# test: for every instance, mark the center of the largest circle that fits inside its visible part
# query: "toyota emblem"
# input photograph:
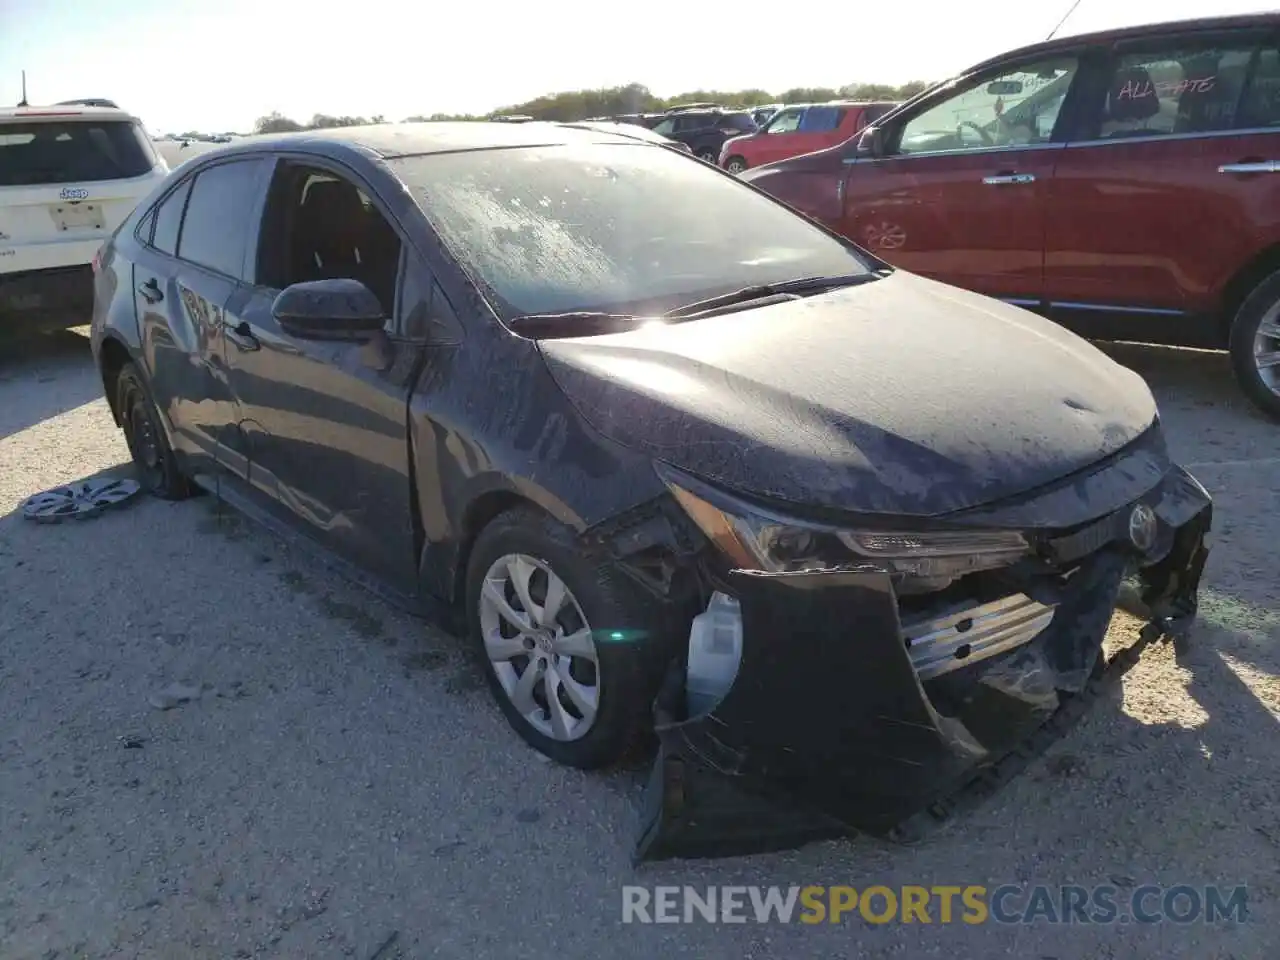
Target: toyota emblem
(1142, 527)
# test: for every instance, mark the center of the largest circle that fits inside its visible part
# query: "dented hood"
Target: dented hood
(900, 396)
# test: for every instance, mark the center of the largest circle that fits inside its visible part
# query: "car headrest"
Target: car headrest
(1133, 96)
(1209, 100)
(333, 202)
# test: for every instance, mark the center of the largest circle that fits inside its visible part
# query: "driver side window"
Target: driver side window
(786, 121)
(320, 226)
(1011, 109)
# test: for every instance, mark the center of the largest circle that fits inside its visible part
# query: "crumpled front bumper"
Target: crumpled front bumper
(830, 727)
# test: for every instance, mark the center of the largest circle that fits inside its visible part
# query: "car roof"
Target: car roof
(1244, 20)
(61, 112)
(629, 131)
(390, 140)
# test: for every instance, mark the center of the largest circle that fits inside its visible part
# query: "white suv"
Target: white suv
(68, 176)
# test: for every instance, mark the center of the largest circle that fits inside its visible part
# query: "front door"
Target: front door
(1156, 198)
(326, 422)
(959, 193)
(778, 139)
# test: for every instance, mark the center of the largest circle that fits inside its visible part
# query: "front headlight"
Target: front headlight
(918, 561)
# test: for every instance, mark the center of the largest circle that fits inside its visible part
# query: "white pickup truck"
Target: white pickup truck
(69, 174)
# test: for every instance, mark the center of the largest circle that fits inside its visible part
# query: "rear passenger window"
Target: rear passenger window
(694, 121)
(1260, 104)
(821, 119)
(1175, 91)
(168, 218)
(216, 228)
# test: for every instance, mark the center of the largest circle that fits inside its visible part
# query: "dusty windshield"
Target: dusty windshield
(617, 228)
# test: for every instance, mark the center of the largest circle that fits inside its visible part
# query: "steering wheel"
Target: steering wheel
(986, 137)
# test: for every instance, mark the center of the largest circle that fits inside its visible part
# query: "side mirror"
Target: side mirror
(871, 143)
(329, 310)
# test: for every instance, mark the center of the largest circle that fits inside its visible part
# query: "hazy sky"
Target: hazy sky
(217, 65)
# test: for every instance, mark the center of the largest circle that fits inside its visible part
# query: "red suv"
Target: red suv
(797, 129)
(1121, 183)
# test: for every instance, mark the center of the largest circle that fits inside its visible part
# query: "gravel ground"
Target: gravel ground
(344, 776)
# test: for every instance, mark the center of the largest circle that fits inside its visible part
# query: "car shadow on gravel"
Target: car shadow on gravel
(1183, 377)
(1221, 774)
(42, 376)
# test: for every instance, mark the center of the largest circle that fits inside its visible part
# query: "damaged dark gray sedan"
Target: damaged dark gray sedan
(673, 456)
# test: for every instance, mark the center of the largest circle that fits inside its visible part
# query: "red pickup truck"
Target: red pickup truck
(1122, 183)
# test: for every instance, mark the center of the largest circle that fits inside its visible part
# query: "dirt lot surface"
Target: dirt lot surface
(344, 776)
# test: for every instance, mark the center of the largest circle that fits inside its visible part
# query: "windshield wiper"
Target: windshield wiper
(586, 323)
(798, 286)
(578, 323)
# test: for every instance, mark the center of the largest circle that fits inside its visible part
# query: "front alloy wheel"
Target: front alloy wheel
(572, 648)
(1266, 349)
(540, 647)
(1255, 345)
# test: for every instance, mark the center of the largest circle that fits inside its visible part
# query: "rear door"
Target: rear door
(67, 180)
(1164, 190)
(188, 287)
(693, 129)
(819, 128)
(959, 194)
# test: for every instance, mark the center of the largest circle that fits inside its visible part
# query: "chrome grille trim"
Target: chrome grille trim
(993, 628)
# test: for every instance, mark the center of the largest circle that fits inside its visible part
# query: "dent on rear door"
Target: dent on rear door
(179, 319)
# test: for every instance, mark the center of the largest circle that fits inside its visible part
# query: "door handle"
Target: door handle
(1250, 166)
(151, 291)
(242, 336)
(1001, 179)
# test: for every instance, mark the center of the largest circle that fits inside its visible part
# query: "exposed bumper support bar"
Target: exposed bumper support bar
(833, 725)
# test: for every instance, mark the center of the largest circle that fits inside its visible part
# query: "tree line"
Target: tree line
(633, 98)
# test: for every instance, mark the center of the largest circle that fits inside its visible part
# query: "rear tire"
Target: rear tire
(521, 552)
(707, 155)
(153, 458)
(1255, 334)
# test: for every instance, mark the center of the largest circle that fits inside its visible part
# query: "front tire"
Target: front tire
(1255, 346)
(736, 165)
(153, 458)
(570, 646)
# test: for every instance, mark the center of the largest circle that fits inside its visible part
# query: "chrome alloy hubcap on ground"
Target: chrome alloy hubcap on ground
(1266, 350)
(540, 645)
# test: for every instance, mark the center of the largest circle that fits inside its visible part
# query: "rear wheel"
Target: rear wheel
(707, 155)
(736, 165)
(1255, 345)
(570, 646)
(153, 458)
